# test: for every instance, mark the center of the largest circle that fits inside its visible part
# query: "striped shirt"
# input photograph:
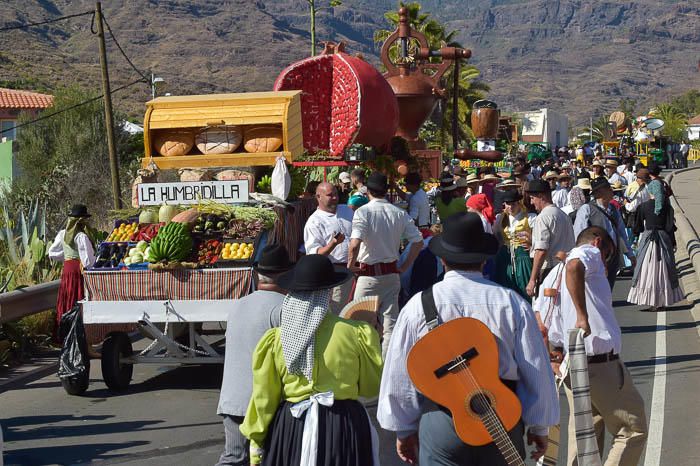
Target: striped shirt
(521, 351)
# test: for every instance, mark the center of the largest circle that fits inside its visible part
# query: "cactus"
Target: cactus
(23, 249)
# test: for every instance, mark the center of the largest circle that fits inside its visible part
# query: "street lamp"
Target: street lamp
(154, 81)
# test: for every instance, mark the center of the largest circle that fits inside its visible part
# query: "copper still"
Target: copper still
(416, 81)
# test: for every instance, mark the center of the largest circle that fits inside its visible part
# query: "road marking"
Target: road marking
(658, 398)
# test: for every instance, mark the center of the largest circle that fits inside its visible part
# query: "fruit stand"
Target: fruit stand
(171, 273)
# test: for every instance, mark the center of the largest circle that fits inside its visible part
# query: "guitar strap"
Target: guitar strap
(429, 309)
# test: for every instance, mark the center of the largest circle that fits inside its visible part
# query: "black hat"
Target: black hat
(412, 178)
(460, 171)
(599, 183)
(377, 182)
(654, 168)
(463, 240)
(274, 258)
(510, 195)
(79, 210)
(313, 272)
(537, 186)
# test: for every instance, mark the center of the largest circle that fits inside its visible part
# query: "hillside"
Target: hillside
(579, 57)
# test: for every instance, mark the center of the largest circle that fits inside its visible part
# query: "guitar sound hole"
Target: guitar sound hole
(480, 404)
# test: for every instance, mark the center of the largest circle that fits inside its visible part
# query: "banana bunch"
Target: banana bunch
(172, 243)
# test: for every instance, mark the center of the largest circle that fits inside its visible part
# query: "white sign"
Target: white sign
(225, 192)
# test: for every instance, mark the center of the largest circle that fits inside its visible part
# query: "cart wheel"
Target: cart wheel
(78, 384)
(116, 375)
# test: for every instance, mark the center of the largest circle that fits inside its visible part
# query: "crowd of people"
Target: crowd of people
(530, 254)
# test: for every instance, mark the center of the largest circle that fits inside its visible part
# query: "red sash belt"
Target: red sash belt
(382, 268)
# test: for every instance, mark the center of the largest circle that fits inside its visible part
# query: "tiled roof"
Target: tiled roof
(695, 120)
(11, 98)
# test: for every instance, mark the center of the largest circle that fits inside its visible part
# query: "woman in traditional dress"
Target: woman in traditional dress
(74, 248)
(513, 228)
(655, 281)
(308, 375)
(450, 201)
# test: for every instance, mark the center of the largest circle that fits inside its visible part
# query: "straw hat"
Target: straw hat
(509, 183)
(597, 163)
(551, 175)
(611, 163)
(584, 183)
(618, 186)
(491, 177)
(472, 179)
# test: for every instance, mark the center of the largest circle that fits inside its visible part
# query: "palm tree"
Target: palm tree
(437, 36)
(674, 121)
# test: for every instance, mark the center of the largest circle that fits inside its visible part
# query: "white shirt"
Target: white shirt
(322, 226)
(521, 352)
(550, 307)
(419, 208)
(615, 177)
(605, 331)
(639, 197)
(629, 176)
(552, 232)
(82, 244)
(381, 226)
(560, 197)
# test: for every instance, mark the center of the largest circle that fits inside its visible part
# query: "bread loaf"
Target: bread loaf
(173, 142)
(219, 139)
(263, 139)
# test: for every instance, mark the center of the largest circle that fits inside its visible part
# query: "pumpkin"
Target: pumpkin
(263, 139)
(166, 213)
(173, 142)
(219, 139)
(188, 216)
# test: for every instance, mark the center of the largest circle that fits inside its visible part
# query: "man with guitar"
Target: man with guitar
(517, 356)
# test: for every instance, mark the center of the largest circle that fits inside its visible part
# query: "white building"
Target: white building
(694, 128)
(544, 125)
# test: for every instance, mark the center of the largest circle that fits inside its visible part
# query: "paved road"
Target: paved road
(168, 414)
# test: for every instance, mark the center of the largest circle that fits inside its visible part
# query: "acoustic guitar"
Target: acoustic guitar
(456, 366)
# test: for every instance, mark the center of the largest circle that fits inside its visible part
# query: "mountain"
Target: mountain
(574, 56)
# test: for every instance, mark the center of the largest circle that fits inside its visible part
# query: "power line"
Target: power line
(48, 21)
(85, 102)
(145, 78)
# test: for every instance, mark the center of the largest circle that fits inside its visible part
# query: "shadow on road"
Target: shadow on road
(69, 454)
(654, 328)
(177, 378)
(663, 360)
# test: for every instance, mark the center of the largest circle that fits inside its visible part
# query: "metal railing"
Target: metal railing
(27, 301)
(694, 155)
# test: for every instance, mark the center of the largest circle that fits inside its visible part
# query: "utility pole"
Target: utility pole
(109, 117)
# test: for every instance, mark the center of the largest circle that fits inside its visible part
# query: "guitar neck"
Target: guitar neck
(500, 437)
